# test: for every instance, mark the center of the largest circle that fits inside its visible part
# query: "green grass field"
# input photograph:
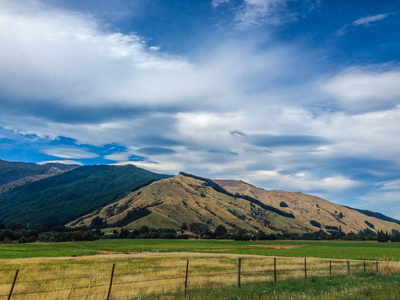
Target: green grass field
(344, 288)
(320, 249)
(155, 269)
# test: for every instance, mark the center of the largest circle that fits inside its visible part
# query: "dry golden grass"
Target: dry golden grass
(307, 208)
(138, 275)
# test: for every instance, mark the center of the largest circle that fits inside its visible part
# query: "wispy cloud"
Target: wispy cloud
(69, 153)
(365, 22)
(257, 12)
(303, 181)
(370, 19)
(361, 89)
(216, 3)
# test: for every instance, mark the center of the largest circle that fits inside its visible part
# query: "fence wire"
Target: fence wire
(26, 287)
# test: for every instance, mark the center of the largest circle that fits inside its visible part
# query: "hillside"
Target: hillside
(313, 211)
(13, 174)
(62, 198)
(189, 199)
(183, 199)
(130, 197)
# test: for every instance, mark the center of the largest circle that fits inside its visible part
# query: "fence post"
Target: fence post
(186, 277)
(305, 268)
(275, 269)
(365, 268)
(239, 268)
(12, 287)
(111, 281)
(377, 271)
(348, 268)
(330, 268)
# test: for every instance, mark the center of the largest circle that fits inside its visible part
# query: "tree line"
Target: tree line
(17, 233)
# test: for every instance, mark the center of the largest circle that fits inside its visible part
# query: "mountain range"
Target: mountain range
(130, 197)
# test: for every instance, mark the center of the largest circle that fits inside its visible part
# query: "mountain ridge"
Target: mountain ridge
(13, 174)
(131, 197)
(66, 196)
(191, 199)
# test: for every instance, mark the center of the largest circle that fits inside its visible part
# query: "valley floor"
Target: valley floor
(162, 269)
(318, 249)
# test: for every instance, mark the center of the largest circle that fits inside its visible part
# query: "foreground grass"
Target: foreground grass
(320, 249)
(360, 287)
(140, 275)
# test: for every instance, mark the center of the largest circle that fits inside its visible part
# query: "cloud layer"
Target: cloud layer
(240, 104)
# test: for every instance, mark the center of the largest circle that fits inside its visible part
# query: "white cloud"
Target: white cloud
(164, 167)
(392, 185)
(303, 181)
(254, 13)
(69, 153)
(58, 56)
(258, 12)
(154, 48)
(370, 19)
(360, 90)
(216, 3)
(369, 135)
(119, 157)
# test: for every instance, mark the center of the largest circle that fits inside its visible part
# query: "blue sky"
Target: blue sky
(283, 94)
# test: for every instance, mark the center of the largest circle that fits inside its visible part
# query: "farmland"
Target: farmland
(157, 268)
(318, 249)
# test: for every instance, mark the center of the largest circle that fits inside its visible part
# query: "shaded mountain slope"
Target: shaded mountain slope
(13, 174)
(312, 210)
(64, 197)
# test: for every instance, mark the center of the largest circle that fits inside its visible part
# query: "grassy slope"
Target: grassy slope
(65, 197)
(320, 249)
(307, 208)
(186, 199)
(181, 199)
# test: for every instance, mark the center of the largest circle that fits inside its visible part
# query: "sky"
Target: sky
(283, 94)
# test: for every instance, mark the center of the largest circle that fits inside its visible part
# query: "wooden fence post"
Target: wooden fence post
(111, 281)
(275, 269)
(348, 268)
(305, 268)
(239, 267)
(330, 268)
(186, 277)
(12, 287)
(377, 271)
(365, 268)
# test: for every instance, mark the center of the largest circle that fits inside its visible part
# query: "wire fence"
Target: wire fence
(131, 280)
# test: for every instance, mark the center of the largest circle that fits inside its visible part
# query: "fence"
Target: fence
(128, 280)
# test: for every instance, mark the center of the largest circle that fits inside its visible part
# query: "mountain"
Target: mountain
(13, 174)
(130, 197)
(312, 210)
(190, 199)
(64, 197)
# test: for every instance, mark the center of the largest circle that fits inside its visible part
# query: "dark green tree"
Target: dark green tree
(382, 237)
(219, 232)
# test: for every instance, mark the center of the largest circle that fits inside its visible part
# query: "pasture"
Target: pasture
(318, 249)
(146, 269)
